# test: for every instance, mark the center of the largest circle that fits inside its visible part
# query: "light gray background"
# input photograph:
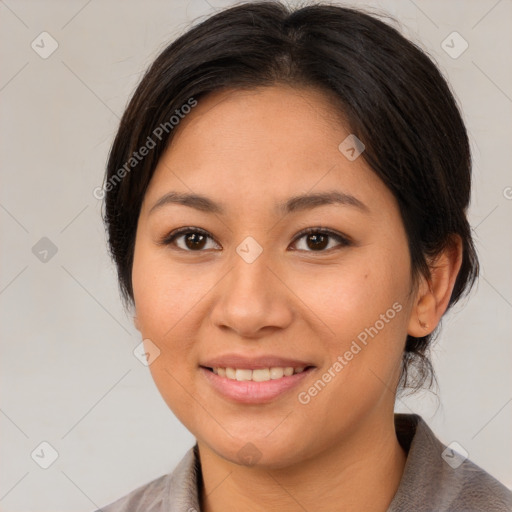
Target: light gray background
(68, 374)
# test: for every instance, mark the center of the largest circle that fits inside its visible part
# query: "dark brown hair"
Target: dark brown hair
(392, 95)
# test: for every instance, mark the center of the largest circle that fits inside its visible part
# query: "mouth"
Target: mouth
(254, 385)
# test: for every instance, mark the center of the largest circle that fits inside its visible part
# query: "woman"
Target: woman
(289, 226)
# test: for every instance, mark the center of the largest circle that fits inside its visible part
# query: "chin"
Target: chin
(258, 451)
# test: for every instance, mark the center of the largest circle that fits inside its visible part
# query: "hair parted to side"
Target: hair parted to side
(392, 95)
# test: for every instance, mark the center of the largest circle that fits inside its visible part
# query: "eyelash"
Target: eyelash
(343, 240)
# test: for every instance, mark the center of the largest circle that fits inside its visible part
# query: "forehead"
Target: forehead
(274, 141)
(243, 118)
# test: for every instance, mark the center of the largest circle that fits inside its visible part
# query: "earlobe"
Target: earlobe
(434, 294)
(136, 323)
(423, 319)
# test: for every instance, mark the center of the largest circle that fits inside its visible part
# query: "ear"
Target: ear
(433, 295)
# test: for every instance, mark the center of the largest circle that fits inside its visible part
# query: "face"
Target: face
(243, 286)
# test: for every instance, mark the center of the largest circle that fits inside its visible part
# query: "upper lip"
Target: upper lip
(253, 363)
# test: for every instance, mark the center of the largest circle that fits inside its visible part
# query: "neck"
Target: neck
(361, 472)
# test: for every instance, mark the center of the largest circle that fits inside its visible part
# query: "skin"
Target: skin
(247, 150)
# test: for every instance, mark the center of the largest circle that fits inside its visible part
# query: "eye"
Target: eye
(195, 239)
(318, 239)
(192, 239)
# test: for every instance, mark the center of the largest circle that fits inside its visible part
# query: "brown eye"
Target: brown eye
(189, 239)
(317, 240)
(195, 241)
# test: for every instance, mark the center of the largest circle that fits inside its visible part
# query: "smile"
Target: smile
(254, 386)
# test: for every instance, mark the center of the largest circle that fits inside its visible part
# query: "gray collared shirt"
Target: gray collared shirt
(435, 478)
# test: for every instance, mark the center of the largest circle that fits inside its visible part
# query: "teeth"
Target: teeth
(276, 373)
(243, 374)
(288, 371)
(259, 375)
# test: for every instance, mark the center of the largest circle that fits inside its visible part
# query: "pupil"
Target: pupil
(195, 240)
(316, 239)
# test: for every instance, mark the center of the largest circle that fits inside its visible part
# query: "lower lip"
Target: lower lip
(250, 392)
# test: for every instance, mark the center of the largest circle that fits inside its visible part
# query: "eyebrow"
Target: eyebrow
(291, 205)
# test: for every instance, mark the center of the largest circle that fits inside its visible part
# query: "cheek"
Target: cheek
(354, 296)
(164, 297)
(364, 304)
(163, 293)
(365, 309)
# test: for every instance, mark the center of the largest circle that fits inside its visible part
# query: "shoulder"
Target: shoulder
(438, 478)
(174, 491)
(481, 490)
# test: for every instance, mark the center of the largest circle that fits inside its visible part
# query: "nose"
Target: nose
(252, 299)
